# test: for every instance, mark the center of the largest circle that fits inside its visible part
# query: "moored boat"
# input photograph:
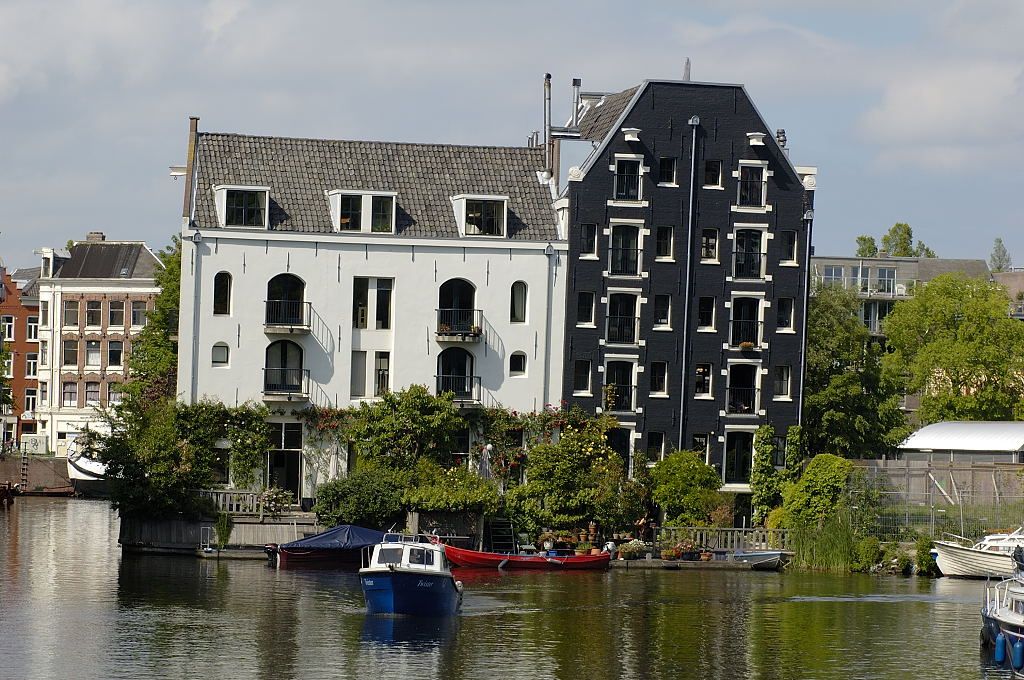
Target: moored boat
(340, 547)
(761, 560)
(87, 474)
(1002, 616)
(461, 557)
(991, 556)
(409, 576)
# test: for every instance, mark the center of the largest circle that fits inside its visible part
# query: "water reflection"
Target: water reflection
(72, 606)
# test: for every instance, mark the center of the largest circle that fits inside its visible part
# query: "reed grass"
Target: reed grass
(829, 546)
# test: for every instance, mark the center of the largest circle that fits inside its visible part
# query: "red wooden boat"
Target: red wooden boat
(461, 557)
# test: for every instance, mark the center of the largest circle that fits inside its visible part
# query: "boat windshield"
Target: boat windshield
(389, 556)
(421, 556)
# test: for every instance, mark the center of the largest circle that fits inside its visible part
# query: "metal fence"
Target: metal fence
(901, 516)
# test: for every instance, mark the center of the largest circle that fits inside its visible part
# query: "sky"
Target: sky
(911, 110)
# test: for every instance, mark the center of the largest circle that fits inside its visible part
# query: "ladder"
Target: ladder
(24, 468)
(501, 535)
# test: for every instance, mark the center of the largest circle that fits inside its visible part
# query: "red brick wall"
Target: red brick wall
(20, 346)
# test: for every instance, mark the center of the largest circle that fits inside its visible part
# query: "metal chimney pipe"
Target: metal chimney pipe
(547, 122)
(576, 83)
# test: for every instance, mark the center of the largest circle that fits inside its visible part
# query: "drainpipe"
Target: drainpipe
(809, 221)
(693, 122)
(549, 251)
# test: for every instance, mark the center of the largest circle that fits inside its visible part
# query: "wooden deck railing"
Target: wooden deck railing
(234, 502)
(727, 539)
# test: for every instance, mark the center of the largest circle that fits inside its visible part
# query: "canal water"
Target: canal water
(71, 606)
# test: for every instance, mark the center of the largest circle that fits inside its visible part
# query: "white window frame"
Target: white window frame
(119, 364)
(788, 396)
(145, 313)
(640, 201)
(721, 175)
(459, 207)
(100, 314)
(671, 244)
(32, 329)
(99, 392)
(675, 171)
(663, 394)
(766, 235)
(758, 386)
(710, 394)
(7, 326)
(31, 364)
(8, 365)
(517, 374)
(99, 354)
(791, 328)
(220, 199)
(654, 308)
(761, 306)
(589, 391)
(642, 233)
(765, 207)
(593, 310)
(717, 259)
(30, 401)
(714, 315)
(110, 313)
(365, 209)
(64, 401)
(634, 378)
(795, 261)
(638, 310)
(213, 355)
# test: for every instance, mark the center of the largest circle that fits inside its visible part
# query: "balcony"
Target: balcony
(382, 382)
(464, 388)
(870, 287)
(751, 193)
(285, 384)
(622, 330)
(627, 187)
(747, 265)
(459, 325)
(618, 398)
(624, 261)
(742, 401)
(745, 334)
(287, 316)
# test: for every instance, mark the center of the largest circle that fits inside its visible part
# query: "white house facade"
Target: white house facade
(319, 272)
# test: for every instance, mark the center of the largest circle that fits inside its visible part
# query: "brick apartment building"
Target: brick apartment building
(19, 330)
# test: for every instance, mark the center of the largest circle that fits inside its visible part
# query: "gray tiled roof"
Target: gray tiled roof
(425, 177)
(30, 275)
(930, 267)
(107, 260)
(599, 119)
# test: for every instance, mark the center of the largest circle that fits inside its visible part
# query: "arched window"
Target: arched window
(283, 372)
(220, 354)
(518, 306)
(285, 300)
(517, 364)
(222, 293)
(455, 308)
(455, 373)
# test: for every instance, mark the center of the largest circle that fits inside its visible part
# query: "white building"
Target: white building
(319, 272)
(92, 302)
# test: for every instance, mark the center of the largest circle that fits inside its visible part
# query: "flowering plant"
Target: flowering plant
(687, 545)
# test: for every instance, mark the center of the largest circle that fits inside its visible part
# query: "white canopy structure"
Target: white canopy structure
(988, 441)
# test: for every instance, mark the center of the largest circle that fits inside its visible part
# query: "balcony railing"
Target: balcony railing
(745, 333)
(287, 313)
(467, 323)
(622, 329)
(462, 387)
(627, 187)
(871, 287)
(289, 382)
(742, 400)
(382, 383)
(624, 261)
(746, 265)
(618, 398)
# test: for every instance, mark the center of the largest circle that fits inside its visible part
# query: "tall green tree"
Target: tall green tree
(866, 246)
(686, 488)
(954, 343)
(850, 408)
(999, 260)
(899, 242)
(153, 362)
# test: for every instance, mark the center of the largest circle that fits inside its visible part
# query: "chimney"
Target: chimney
(882, 253)
(686, 70)
(576, 83)
(94, 236)
(547, 122)
(190, 157)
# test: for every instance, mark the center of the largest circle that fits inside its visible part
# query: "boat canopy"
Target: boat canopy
(341, 537)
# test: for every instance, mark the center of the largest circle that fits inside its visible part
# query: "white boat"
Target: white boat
(409, 575)
(87, 475)
(760, 560)
(992, 556)
(1002, 618)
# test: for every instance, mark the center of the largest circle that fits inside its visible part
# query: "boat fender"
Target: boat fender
(501, 565)
(999, 654)
(1017, 658)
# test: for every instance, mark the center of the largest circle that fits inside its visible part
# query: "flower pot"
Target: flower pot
(707, 556)
(595, 551)
(690, 556)
(668, 554)
(581, 552)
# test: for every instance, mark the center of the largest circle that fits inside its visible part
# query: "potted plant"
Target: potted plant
(444, 328)
(746, 344)
(687, 549)
(583, 547)
(475, 330)
(632, 550)
(547, 540)
(706, 556)
(668, 554)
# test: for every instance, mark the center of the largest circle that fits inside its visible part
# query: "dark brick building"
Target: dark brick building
(688, 230)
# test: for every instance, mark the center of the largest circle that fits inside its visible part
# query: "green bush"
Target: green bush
(819, 492)
(223, 527)
(923, 559)
(869, 553)
(371, 496)
(895, 560)
(686, 488)
(437, 489)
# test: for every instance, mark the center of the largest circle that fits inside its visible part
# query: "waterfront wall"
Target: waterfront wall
(183, 536)
(43, 473)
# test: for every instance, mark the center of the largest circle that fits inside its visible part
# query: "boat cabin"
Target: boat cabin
(400, 551)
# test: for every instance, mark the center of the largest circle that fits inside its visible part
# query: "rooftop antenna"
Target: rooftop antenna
(686, 70)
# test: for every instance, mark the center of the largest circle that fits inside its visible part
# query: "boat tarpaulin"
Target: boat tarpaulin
(341, 537)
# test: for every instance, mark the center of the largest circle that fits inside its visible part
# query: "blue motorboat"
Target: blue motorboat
(409, 576)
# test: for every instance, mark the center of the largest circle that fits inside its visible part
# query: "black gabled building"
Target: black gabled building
(689, 230)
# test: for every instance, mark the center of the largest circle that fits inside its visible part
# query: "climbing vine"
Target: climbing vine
(765, 483)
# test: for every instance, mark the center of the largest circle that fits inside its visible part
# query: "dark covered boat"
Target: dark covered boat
(337, 548)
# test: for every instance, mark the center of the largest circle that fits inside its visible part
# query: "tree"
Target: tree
(819, 493)
(402, 426)
(370, 496)
(1000, 260)
(850, 408)
(866, 246)
(899, 242)
(954, 342)
(686, 488)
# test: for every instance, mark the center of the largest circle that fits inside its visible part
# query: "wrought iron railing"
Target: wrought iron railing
(457, 321)
(462, 387)
(742, 400)
(622, 329)
(624, 261)
(618, 397)
(745, 333)
(287, 313)
(289, 381)
(751, 193)
(627, 187)
(746, 265)
(382, 384)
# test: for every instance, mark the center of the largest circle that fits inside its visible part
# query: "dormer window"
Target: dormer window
(363, 211)
(242, 206)
(481, 215)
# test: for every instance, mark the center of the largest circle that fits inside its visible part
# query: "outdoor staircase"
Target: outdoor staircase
(501, 535)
